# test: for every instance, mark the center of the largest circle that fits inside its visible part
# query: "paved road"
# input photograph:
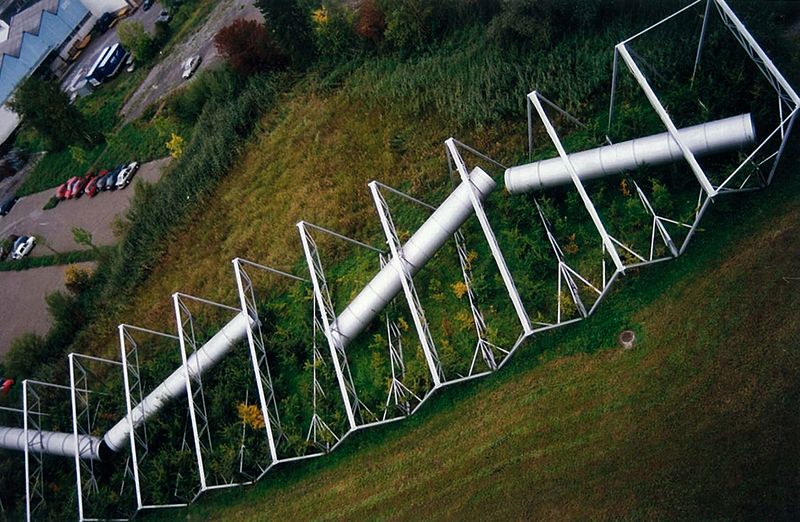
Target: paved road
(166, 75)
(54, 226)
(89, 55)
(24, 308)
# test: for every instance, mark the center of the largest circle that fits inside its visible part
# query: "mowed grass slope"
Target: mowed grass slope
(699, 421)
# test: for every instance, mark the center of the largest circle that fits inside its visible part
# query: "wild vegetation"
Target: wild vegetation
(374, 97)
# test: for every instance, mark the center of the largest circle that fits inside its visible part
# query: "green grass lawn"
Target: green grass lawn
(699, 421)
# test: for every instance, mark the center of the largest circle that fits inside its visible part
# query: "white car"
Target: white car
(190, 66)
(126, 174)
(22, 247)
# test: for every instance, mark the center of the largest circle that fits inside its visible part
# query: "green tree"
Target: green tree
(46, 108)
(81, 236)
(135, 39)
(290, 25)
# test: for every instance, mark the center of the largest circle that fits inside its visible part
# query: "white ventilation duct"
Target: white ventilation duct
(659, 149)
(430, 237)
(419, 249)
(117, 437)
(52, 443)
(174, 386)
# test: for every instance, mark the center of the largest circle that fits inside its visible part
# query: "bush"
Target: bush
(249, 48)
(370, 21)
(333, 30)
(25, 355)
(540, 23)
(219, 83)
(135, 39)
(76, 279)
(412, 24)
(51, 203)
(290, 25)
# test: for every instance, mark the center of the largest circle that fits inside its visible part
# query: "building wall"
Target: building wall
(98, 7)
(36, 45)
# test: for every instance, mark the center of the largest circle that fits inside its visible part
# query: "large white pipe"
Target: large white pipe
(417, 251)
(174, 386)
(420, 248)
(117, 438)
(52, 443)
(659, 149)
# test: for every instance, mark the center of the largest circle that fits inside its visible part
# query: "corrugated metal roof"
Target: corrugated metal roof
(27, 21)
(33, 33)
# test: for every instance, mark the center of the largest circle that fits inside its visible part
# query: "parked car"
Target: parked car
(6, 204)
(103, 23)
(22, 246)
(77, 188)
(111, 178)
(125, 176)
(61, 192)
(101, 180)
(147, 4)
(93, 187)
(190, 66)
(164, 17)
(70, 186)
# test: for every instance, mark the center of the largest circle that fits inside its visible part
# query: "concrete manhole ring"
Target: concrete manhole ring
(627, 338)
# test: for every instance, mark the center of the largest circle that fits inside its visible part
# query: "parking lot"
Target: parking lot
(53, 228)
(24, 308)
(89, 55)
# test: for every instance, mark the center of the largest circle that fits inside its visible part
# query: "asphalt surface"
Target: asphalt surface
(89, 55)
(23, 301)
(53, 228)
(166, 76)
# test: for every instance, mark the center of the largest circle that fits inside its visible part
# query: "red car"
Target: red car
(61, 192)
(77, 188)
(68, 194)
(91, 189)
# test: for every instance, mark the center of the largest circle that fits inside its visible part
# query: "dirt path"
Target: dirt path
(54, 227)
(166, 76)
(24, 308)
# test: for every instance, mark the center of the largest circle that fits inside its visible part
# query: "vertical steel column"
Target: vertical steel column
(497, 254)
(587, 202)
(258, 353)
(403, 272)
(701, 41)
(326, 313)
(665, 118)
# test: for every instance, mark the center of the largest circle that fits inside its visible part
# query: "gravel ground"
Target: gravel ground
(24, 308)
(166, 75)
(54, 226)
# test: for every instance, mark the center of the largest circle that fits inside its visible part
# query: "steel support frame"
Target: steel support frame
(198, 415)
(317, 424)
(83, 426)
(483, 346)
(327, 314)
(407, 280)
(258, 355)
(32, 430)
(786, 94)
(536, 99)
(451, 146)
(131, 377)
